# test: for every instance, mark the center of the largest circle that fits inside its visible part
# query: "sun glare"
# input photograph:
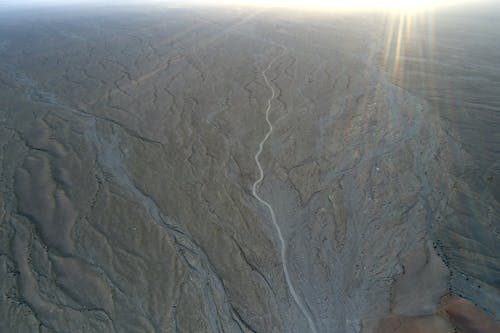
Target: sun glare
(339, 4)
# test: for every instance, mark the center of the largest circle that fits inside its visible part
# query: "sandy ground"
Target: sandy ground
(128, 144)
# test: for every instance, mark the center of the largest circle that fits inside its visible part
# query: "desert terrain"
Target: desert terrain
(208, 169)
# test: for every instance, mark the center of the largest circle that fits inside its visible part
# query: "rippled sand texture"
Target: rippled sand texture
(132, 198)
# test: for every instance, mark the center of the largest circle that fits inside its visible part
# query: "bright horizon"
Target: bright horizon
(335, 4)
(291, 4)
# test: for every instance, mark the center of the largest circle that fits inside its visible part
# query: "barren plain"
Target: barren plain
(169, 169)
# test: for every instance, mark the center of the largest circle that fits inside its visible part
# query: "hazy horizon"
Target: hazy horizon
(315, 5)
